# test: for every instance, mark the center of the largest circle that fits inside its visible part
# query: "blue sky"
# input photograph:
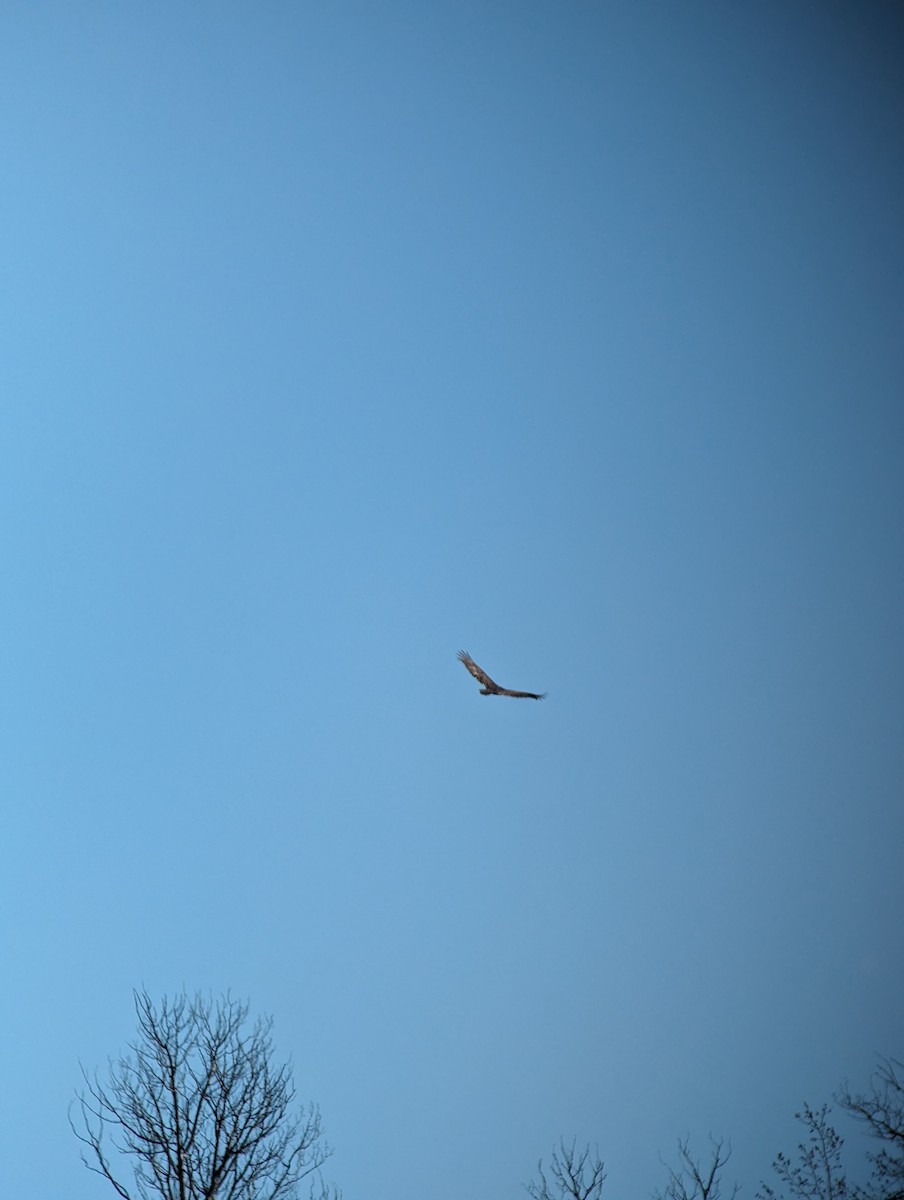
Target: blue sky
(337, 337)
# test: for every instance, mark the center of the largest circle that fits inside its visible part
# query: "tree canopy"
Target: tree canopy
(199, 1111)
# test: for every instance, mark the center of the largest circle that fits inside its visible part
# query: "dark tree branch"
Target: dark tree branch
(818, 1173)
(200, 1110)
(575, 1176)
(881, 1110)
(691, 1181)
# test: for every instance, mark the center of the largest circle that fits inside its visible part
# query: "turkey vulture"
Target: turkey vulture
(489, 687)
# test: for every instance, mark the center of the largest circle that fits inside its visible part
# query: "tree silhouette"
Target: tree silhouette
(200, 1110)
(819, 1174)
(574, 1176)
(882, 1111)
(691, 1181)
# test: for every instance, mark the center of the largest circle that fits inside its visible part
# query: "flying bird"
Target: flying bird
(489, 687)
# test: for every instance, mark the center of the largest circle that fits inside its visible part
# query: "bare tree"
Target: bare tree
(819, 1174)
(200, 1109)
(575, 1176)
(691, 1181)
(882, 1111)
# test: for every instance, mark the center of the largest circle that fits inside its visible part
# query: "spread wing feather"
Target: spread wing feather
(478, 672)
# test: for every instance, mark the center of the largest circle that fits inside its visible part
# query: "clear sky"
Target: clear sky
(339, 336)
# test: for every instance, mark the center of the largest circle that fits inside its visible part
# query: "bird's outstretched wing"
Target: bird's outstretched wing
(523, 695)
(478, 672)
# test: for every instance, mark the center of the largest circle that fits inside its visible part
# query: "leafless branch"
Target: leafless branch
(881, 1109)
(200, 1110)
(818, 1173)
(575, 1175)
(691, 1180)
